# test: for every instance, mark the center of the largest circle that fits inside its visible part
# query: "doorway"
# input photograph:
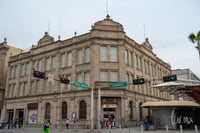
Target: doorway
(109, 115)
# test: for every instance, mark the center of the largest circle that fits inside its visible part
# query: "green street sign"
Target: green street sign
(81, 85)
(117, 84)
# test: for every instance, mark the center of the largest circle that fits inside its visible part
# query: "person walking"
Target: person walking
(146, 123)
(67, 123)
(46, 127)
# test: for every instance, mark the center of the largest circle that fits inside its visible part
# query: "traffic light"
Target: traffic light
(138, 81)
(39, 74)
(169, 78)
(64, 80)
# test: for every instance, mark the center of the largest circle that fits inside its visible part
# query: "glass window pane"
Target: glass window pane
(87, 78)
(87, 55)
(33, 88)
(113, 76)
(38, 87)
(54, 62)
(35, 65)
(48, 64)
(113, 54)
(79, 77)
(46, 87)
(103, 54)
(69, 59)
(25, 89)
(80, 56)
(82, 109)
(64, 110)
(126, 56)
(16, 71)
(130, 58)
(103, 76)
(40, 65)
(62, 60)
(27, 68)
(48, 111)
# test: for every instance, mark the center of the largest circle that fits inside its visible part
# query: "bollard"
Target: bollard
(167, 128)
(120, 128)
(109, 128)
(196, 128)
(181, 129)
(142, 128)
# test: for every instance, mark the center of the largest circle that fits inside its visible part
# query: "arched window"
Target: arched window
(82, 110)
(130, 109)
(64, 110)
(140, 111)
(48, 111)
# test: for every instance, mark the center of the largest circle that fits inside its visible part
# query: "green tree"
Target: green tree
(195, 39)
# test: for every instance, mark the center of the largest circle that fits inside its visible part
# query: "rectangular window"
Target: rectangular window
(16, 71)
(80, 61)
(62, 87)
(113, 54)
(127, 77)
(130, 58)
(35, 66)
(69, 59)
(126, 56)
(21, 89)
(46, 89)
(48, 63)
(14, 91)
(62, 60)
(27, 69)
(87, 78)
(103, 54)
(37, 86)
(113, 76)
(22, 69)
(25, 89)
(33, 88)
(104, 76)
(87, 55)
(53, 62)
(79, 77)
(40, 65)
(138, 62)
(12, 72)
(10, 91)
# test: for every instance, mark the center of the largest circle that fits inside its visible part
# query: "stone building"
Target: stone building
(185, 74)
(6, 51)
(102, 56)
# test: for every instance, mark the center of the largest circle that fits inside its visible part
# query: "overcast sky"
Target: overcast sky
(167, 23)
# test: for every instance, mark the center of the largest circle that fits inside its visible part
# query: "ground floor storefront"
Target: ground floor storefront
(174, 114)
(116, 108)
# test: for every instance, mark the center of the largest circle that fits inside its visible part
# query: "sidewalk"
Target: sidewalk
(115, 130)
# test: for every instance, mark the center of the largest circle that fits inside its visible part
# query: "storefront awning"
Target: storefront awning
(168, 84)
(176, 103)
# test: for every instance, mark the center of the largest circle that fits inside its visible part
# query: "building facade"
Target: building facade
(102, 56)
(6, 51)
(185, 74)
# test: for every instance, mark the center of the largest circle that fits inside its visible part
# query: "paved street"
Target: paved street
(116, 130)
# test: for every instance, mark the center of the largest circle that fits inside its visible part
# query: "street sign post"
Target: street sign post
(117, 84)
(80, 85)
